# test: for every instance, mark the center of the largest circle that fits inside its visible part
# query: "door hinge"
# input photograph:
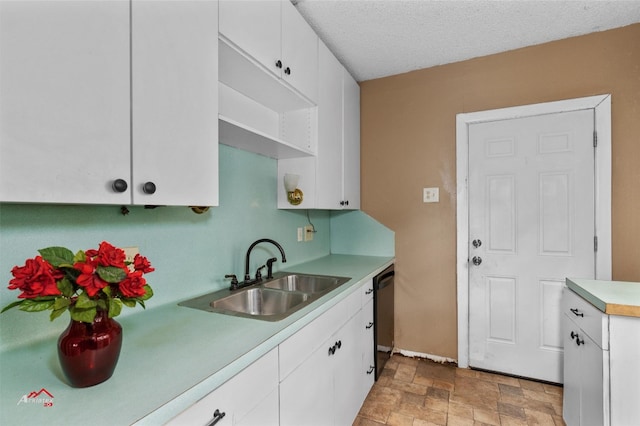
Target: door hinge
(595, 139)
(595, 243)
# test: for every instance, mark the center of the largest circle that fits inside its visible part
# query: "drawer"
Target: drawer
(236, 397)
(590, 319)
(367, 292)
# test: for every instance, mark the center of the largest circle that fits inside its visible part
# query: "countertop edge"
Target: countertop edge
(598, 293)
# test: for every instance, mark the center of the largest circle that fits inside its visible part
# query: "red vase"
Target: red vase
(88, 352)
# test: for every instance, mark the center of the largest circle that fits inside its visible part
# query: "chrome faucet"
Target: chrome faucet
(247, 276)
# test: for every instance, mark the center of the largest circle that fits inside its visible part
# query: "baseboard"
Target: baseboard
(435, 358)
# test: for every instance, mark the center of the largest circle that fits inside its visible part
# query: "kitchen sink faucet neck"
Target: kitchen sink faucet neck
(247, 276)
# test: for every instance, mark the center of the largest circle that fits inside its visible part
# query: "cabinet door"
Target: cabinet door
(368, 358)
(64, 101)
(266, 413)
(299, 52)
(593, 383)
(329, 156)
(175, 102)
(306, 395)
(255, 28)
(348, 375)
(572, 373)
(351, 141)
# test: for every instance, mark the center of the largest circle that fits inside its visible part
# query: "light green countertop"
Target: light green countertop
(611, 297)
(171, 357)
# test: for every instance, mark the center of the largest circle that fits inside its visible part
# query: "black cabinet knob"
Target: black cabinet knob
(287, 71)
(278, 64)
(119, 185)
(149, 188)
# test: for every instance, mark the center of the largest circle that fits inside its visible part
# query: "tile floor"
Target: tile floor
(419, 392)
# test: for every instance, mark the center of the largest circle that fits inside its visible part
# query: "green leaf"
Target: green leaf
(148, 293)
(57, 256)
(128, 302)
(107, 290)
(115, 307)
(111, 274)
(12, 305)
(141, 302)
(102, 304)
(36, 305)
(61, 303)
(80, 257)
(84, 315)
(55, 313)
(84, 302)
(65, 287)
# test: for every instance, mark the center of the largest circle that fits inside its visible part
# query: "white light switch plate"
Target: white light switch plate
(431, 195)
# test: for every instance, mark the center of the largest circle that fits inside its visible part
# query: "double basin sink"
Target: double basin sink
(269, 300)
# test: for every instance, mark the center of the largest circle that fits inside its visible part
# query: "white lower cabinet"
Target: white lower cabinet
(318, 376)
(601, 368)
(327, 387)
(248, 399)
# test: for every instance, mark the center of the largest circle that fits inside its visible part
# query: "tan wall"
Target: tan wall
(408, 142)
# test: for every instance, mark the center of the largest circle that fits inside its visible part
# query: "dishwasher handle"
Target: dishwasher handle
(384, 280)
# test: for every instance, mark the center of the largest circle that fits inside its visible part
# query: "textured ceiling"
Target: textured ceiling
(379, 38)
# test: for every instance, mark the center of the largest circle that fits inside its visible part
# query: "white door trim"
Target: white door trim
(602, 106)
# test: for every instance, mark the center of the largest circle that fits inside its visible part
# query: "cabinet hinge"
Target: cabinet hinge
(595, 243)
(595, 139)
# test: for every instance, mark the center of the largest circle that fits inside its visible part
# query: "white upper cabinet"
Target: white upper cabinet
(351, 143)
(331, 180)
(175, 102)
(275, 35)
(64, 101)
(83, 105)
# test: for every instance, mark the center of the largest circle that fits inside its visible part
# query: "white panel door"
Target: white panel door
(531, 225)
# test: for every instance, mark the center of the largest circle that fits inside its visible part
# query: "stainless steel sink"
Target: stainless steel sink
(306, 283)
(270, 300)
(260, 301)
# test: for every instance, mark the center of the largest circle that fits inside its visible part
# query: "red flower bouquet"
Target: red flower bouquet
(82, 283)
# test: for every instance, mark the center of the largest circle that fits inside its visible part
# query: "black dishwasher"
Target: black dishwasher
(383, 302)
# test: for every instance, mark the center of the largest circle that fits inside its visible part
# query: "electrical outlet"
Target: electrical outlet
(130, 253)
(300, 234)
(308, 233)
(430, 195)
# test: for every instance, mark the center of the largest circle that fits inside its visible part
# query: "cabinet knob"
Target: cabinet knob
(287, 71)
(149, 188)
(119, 185)
(344, 203)
(368, 326)
(369, 291)
(278, 64)
(371, 369)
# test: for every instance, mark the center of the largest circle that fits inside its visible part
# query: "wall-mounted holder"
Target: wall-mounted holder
(294, 195)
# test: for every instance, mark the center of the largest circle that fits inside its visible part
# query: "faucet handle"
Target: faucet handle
(270, 267)
(234, 281)
(258, 273)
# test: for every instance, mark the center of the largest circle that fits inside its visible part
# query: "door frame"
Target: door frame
(601, 105)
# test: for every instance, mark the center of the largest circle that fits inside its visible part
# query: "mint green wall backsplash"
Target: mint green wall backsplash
(191, 252)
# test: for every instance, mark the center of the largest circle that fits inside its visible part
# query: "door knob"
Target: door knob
(476, 243)
(477, 260)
